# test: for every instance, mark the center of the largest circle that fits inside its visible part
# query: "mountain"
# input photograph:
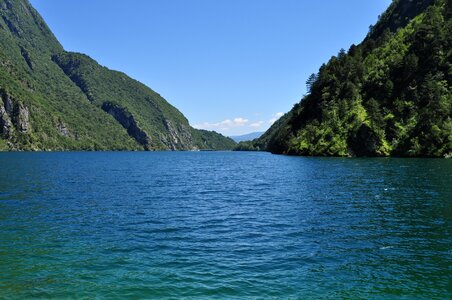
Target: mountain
(246, 137)
(57, 100)
(388, 96)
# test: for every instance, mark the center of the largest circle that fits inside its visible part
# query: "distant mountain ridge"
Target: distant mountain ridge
(388, 96)
(246, 137)
(57, 100)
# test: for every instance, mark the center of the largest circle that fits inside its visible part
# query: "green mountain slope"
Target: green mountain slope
(52, 99)
(390, 95)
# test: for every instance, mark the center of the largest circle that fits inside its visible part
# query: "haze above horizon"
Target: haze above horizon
(230, 66)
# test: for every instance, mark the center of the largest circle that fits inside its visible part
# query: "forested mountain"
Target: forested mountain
(56, 100)
(390, 95)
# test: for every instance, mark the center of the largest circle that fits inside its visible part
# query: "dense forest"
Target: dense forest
(390, 95)
(55, 100)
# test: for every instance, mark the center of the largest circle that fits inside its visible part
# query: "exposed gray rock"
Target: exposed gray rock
(6, 126)
(8, 102)
(13, 113)
(22, 118)
(178, 138)
(6, 109)
(63, 130)
(129, 123)
(172, 141)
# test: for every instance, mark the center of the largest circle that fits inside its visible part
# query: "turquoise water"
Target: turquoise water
(224, 225)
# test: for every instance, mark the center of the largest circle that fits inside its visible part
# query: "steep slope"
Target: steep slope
(40, 107)
(147, 117)
(390, 95)
(205, 139)
(52, 99)
(261, 143)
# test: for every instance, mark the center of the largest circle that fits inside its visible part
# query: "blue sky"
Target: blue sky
(228, 65)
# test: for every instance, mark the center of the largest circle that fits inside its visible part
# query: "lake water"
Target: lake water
(224, 225)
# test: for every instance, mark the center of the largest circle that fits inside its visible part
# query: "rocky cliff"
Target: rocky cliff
(56, 100)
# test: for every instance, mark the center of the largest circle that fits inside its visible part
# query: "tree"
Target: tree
(310, 82)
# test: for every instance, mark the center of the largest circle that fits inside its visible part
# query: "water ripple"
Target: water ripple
(223, 225)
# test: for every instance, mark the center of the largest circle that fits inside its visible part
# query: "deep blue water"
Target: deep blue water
(224, 225)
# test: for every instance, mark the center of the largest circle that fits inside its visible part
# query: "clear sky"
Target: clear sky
(228, 65)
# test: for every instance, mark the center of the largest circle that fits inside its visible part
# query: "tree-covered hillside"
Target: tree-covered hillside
(148, 118)
(55, 100)
(390, 95)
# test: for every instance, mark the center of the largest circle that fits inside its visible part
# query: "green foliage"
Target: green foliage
(246, 146)
(65, 92)
(50, 105)
(3, 145)
(310, 82)
(211, 140)
(391, 95)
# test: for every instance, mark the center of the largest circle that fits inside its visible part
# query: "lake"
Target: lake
(224, 225)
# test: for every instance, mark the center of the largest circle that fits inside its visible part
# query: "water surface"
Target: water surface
(223, 225)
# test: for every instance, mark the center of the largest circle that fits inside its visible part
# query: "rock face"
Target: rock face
(58, 100)
(128, 122)
(6, 125)
(62, 128)
(22, 118)
(179, 137)
(7, 102)
(13, 114)
(148, 118)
